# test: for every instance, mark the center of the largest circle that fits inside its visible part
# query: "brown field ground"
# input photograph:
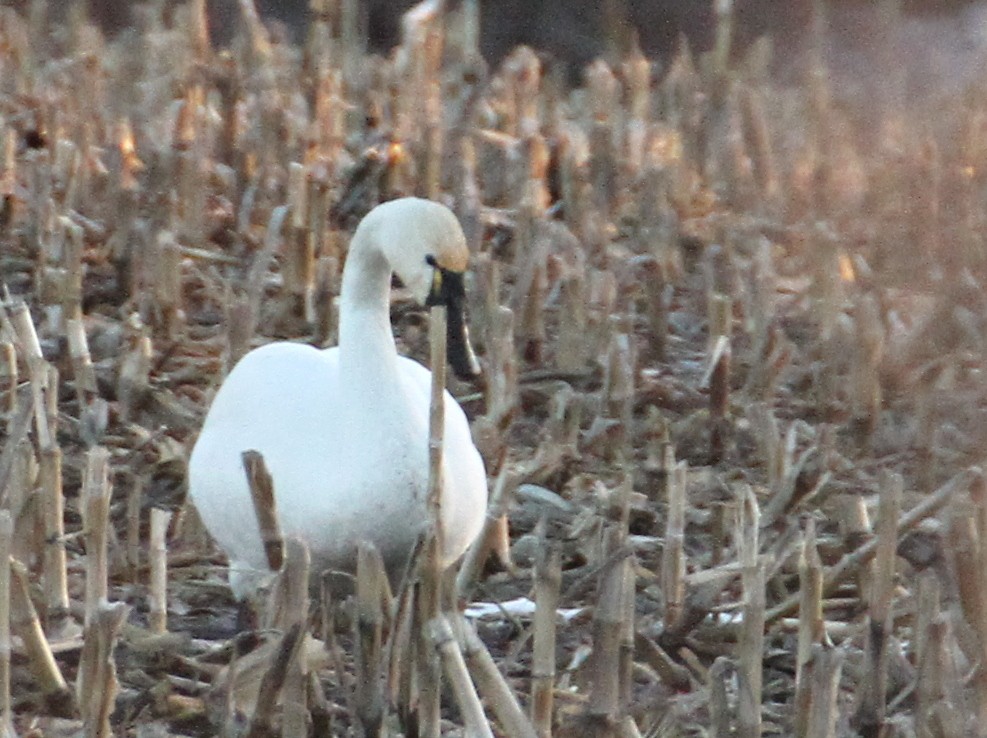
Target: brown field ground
(734, 342)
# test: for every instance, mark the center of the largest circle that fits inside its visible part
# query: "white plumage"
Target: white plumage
(344, 431)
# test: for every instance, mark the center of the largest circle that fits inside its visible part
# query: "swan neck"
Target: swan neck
(366, 344)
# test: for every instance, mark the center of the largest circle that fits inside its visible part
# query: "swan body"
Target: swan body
(344, 431)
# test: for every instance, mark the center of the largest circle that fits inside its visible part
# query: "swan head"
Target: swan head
(425, 246)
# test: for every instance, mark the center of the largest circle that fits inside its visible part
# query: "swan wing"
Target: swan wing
(464, 475)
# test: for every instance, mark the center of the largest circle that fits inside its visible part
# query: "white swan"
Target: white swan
(344, 431)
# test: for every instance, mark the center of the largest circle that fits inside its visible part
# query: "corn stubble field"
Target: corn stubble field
(733, 337)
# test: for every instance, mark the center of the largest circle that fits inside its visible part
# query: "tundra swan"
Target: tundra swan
(344, 430)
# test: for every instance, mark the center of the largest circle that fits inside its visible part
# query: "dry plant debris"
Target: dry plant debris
(734, 403)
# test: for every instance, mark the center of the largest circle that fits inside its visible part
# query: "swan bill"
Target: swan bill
(448, 290)
(459, 350)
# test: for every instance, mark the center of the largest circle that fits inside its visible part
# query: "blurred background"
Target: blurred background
(577, 31)
(941, 44)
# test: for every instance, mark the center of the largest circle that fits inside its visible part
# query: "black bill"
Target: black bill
(450, 291)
